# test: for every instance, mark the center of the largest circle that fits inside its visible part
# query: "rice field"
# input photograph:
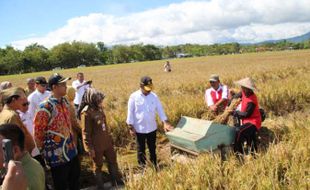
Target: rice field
(284, 92)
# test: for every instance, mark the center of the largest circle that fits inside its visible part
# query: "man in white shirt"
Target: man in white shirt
(37, 96)
(141, 119)
(80, 86)
(26, 119)
(216, 97)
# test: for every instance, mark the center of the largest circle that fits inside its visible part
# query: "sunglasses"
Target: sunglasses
(25, 104)
(43, 85)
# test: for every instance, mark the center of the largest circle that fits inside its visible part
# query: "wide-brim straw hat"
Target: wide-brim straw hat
(247, 83)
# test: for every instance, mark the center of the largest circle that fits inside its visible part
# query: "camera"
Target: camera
(7, 150)
(89, 82)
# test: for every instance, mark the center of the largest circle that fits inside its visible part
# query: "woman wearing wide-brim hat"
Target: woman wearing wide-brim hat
(249, 115)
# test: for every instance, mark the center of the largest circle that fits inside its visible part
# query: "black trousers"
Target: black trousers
(40, 159)
(67, 176)
(245, 133)
(150, 139)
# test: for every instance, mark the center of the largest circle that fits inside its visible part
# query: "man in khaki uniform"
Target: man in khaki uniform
(13, 100)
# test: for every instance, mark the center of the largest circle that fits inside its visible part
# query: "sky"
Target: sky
(159, 22)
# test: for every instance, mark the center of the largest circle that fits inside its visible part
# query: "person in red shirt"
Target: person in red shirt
(216, 97)
(249, 116)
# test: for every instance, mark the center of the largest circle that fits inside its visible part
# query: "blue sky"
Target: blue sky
(21, 19)
(159, 22)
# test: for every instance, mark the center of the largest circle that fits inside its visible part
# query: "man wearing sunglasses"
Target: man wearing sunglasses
(14, 99)
(37, 96)
(216, 97)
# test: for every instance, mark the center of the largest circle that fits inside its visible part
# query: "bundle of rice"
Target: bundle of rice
(223, 118)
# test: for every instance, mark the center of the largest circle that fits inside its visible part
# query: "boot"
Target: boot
(99, 181)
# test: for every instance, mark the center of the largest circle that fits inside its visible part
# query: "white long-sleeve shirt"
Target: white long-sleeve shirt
(79, 92)
(26, 119)
(142, 111)
(34, 100)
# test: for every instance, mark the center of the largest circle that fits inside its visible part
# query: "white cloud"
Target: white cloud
(204, 22)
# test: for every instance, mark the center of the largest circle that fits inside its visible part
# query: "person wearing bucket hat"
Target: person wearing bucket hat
(14, 99)
(249, 115)
(216, 97)
(141, 119)
(54, 137)
(36, 97)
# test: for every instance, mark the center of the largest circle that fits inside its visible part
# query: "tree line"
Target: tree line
(36, 57)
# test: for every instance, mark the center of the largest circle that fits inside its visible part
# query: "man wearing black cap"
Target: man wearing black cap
(141, 119)
(54, 137)
(37, 96)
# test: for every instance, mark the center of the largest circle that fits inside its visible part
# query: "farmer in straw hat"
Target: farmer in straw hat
(249, 115)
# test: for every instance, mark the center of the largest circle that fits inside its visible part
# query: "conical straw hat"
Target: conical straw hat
(247, 82)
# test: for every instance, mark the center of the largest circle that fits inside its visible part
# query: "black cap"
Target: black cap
(56, 78)
(146, 83)
(146, 80)
(41, 80)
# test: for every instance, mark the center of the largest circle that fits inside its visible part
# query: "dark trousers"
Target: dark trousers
(150, 139)
(245, 133)
(76, 107)
(67, 176)
(40, 159)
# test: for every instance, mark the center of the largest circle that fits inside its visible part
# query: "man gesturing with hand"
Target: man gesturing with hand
(141, 119)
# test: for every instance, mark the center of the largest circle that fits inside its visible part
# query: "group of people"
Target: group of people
(46, 120)
(247, 114)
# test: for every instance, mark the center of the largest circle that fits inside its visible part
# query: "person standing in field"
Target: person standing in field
(76, 128)
(54, 138)
(31, 86)
(4, 85)
(216, 97)
(36, 97)
(32, 169)
(80, 86)
(167, 67)
(249, 115)
(14, 99)
(96, 136)
(141, 119)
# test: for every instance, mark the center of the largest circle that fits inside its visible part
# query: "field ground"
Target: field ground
(284, 92)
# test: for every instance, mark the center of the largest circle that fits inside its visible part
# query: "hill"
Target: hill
(296, 39)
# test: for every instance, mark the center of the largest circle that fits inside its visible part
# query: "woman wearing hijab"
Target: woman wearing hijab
(96, 136)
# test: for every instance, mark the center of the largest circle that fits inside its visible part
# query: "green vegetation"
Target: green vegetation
(36, 57)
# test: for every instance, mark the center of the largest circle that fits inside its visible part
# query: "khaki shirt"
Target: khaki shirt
(34, 173)
(9, 116)
(96, 135)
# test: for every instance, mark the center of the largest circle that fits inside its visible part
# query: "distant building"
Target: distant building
(181, 55)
